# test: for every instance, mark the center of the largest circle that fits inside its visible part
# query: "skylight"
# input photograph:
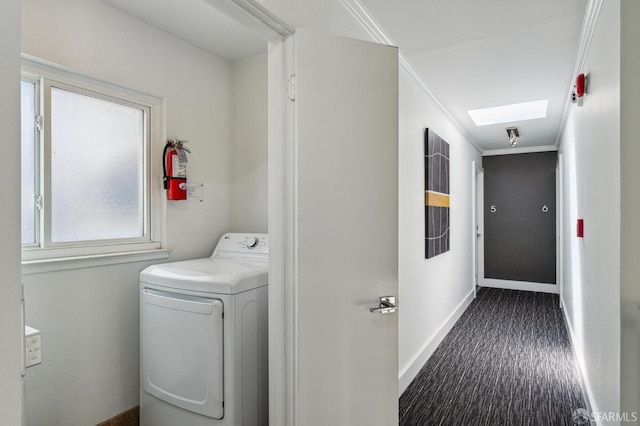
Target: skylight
(509, 113)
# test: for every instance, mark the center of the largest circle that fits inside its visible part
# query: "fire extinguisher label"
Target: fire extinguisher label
(178, 168)
(182, 155)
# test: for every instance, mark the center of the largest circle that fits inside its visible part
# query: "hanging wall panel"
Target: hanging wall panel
(436, 194)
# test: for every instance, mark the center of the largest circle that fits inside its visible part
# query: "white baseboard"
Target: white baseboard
(520, 285)
(411, 371)
(584, 378)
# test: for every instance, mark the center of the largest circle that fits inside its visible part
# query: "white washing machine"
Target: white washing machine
(203, 337)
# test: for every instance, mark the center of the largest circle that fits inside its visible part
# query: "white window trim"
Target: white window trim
(91, 261)
(36, 82)
(86, 254)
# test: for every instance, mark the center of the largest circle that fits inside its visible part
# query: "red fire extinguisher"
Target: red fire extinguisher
(174, 165)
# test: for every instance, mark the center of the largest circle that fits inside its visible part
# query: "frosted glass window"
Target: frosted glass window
(86, 163)
(97, 168)
(28, 162)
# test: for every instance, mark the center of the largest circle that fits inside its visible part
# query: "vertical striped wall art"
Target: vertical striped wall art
(436, 194)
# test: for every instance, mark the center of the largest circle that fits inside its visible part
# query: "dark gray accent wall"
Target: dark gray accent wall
(520, 236)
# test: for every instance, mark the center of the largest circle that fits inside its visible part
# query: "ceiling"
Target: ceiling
(484, 53)
(197, 23)
(470, 53)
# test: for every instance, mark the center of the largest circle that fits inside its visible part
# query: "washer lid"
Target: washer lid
(210, 275)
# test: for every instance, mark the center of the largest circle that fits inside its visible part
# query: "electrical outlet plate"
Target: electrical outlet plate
(33, 347)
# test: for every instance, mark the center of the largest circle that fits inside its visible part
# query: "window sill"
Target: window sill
(91, 261)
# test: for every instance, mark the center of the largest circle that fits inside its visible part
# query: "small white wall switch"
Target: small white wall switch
(33, 346)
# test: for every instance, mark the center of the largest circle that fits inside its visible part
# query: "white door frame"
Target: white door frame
(559, 226)
(11, 318)
(522, 285)
(477, 234)
(283, 391)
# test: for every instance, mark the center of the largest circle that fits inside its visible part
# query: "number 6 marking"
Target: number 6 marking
(545, 208)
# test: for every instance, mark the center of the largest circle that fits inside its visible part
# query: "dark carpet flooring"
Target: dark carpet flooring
(507, 361)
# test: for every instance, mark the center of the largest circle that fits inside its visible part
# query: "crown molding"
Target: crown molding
(523, 150)
(254, 16)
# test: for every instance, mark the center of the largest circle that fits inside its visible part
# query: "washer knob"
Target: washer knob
(253, 242)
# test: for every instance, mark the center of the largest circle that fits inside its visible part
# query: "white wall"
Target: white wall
(89, 36)
(630, 197)
(433, 292)
(89, 317)
(249, 137)
(10, 289)
(89, 323)
(590, 143)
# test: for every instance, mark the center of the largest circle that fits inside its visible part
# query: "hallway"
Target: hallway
(507, 361)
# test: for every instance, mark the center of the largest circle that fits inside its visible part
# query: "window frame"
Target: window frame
(37, 160)
(50, 75)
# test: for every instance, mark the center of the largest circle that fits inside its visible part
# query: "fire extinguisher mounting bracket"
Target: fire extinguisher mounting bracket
(178, 143)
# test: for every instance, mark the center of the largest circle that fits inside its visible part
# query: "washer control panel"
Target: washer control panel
(253, 242)
(232, 244)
